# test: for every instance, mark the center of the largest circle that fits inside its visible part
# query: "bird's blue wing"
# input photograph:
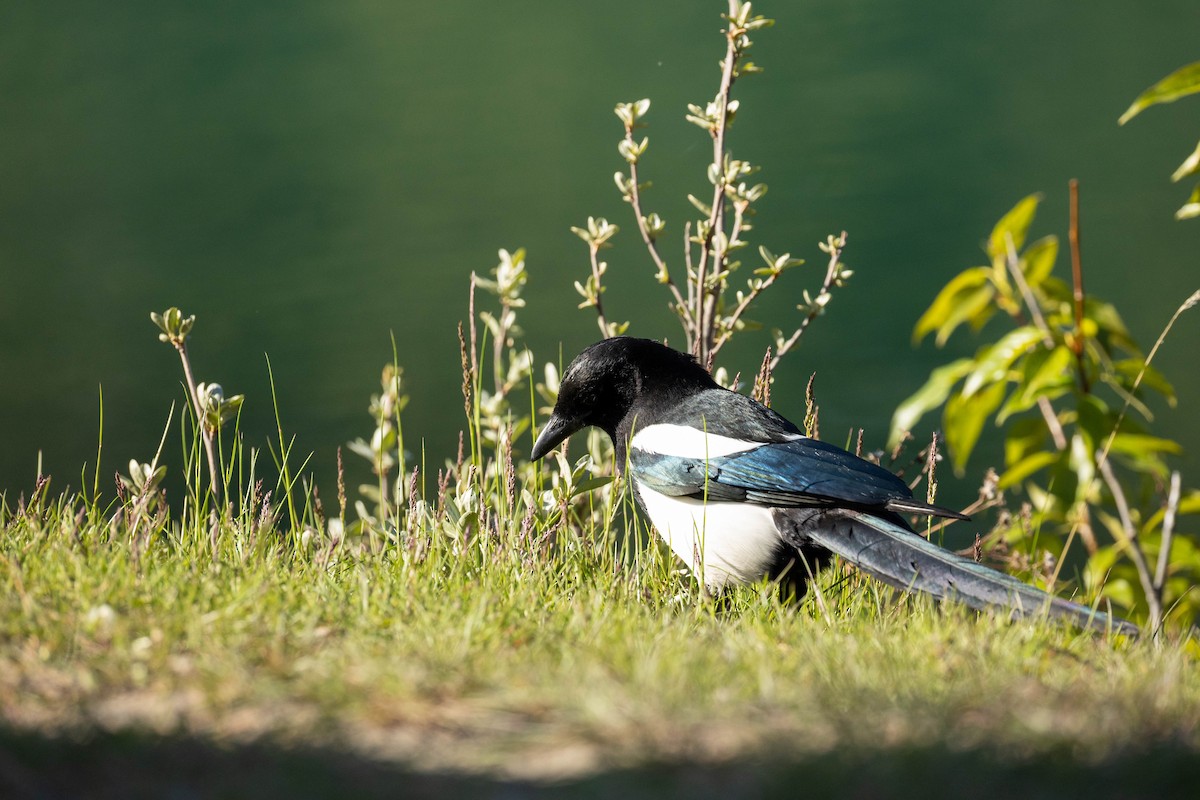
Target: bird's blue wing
(677, 476)
(800, 472)
(806, 469)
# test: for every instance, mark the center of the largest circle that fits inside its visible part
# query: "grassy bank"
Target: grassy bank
(493, 655)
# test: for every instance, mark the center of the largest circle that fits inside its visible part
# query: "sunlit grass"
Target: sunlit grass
(494, 653)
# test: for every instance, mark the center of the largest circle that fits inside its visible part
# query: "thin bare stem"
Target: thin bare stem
(471, 324)
(713, 250)
(740, 309)
(214, 485)
(1083, 524)
(341, 487)
(593, 255)
(1052, 424)
(739, 211)
(498, 349)
(817, 593)
(1191, 302)
(635, 200)
(930, 470)
(1102, 457)
(466, 373)
(979, 504)
(812, 412)
(691, 270)
(1136, 554)
(762, 381)
(1035, 311)
(1168, 531)
(697, 294)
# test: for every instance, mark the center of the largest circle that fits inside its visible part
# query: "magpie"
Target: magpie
(739, 493)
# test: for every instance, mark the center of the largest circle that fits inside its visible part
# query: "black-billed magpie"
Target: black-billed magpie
(739, 493)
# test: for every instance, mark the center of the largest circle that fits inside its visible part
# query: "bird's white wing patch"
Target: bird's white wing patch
(684, 441)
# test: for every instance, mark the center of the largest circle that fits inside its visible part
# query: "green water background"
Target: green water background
(309, 178)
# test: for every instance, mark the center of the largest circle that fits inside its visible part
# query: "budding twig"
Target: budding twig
(836, 245)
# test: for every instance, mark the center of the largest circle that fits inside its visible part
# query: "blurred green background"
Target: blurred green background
(308, 177)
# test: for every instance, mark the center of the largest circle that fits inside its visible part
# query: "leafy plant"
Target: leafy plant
(488, 496)
(502, 484)
(1071, 389)
(707, 312)
(207, 400)
(1182, 82)
(385, 450)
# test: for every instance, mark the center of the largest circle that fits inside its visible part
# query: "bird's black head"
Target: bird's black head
(605, 383)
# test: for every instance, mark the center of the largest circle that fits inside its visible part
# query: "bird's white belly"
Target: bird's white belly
(721, 542)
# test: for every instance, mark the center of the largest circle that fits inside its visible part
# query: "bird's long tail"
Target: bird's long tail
(900, 558)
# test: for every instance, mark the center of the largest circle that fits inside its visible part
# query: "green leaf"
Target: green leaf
(1109, 321)
(700, 205)
(1051, 505)
(1100, 564)
(1144, 458)
(1128, 397)
(1136, 443)
(1027, 466)
(994, 363)
(1045, 373)
(1025, 437)
(1037, 262)
(1192, 207)
(1016, 224)
(588, 484)
(1082, 462)
(964, 419)
(1189, 503)
(964, 297)
(1129, 368)
(1182, 82)
(1095, 421)
(1058, 291)
(928, 397)
(1190, 166)
(1054, 370)
(1143, 453)
(1120, 591)
(1183, 552)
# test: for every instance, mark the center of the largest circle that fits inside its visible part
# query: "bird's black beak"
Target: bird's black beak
(556, 430)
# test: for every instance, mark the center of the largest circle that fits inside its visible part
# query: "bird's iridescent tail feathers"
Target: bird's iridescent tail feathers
(892, 553)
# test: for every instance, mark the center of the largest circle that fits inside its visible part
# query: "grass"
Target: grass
(496, 657)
